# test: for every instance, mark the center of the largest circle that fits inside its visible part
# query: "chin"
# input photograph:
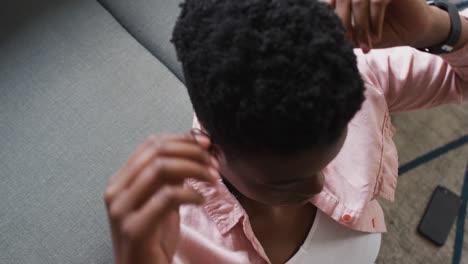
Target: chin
(290, 202)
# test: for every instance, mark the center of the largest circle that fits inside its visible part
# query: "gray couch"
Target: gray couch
(82, 83)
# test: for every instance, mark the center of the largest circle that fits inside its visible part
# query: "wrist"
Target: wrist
(464, 35)
(437, 30)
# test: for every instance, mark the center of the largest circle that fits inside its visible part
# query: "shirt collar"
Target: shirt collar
(222, 207)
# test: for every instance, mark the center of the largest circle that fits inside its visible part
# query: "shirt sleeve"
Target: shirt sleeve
(411, 79)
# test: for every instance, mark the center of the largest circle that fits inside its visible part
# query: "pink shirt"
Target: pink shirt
(397, 80)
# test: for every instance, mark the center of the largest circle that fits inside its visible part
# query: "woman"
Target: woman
(292, 140)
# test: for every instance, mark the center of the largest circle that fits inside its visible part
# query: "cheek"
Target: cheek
(266, 194)
(241, 186)
(319, 182)
(252, 190)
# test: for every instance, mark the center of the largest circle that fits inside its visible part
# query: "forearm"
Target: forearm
(439, 30)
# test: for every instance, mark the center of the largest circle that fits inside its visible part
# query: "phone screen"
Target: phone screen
(440, 215)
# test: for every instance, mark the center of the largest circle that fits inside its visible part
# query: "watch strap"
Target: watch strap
(455, 28)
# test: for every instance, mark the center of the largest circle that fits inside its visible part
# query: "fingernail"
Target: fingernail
(364, 47)
(215, 162)
(201, 139)
(214, 173)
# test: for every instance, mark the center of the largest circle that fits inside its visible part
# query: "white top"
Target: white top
(329, 242)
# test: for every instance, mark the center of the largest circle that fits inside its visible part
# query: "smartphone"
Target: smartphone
(440, 214)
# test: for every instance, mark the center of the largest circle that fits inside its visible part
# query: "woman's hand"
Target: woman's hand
(144, 196)
(384, 23)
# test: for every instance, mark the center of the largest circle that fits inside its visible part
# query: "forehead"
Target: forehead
(267, 167)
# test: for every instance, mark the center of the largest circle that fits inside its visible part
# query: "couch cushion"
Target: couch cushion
(77, 95)
(150, 22)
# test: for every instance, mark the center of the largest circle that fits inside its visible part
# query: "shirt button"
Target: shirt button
(346, 218)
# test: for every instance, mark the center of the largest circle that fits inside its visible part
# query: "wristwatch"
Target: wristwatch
(455, 28)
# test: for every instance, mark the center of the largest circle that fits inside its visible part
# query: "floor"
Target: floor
(417, 134)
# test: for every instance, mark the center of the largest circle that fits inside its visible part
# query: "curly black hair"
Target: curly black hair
(268, 76)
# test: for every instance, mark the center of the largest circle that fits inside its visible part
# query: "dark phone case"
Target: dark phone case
(440, 215)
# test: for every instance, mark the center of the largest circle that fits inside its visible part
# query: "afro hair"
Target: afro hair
(274, 76)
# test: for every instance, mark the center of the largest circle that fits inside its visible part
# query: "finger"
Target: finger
(201, 137)
(149, 141)
(164, 171)
(143, 222)
(362, 23)
(343, 10)
(145, 153)
(111, 193)
(378, 8)
(190, 151)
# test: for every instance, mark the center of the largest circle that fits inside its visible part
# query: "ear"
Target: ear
(202, 128)
(219, 155)
(202, 139)
(214, 149)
